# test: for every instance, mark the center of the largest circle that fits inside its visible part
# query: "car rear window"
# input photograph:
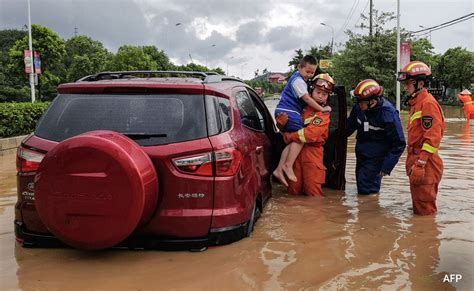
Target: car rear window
(147, 119)
(219, 117)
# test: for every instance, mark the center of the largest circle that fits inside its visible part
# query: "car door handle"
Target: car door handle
(259, 149)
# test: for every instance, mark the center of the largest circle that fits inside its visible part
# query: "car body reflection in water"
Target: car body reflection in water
(340, 241)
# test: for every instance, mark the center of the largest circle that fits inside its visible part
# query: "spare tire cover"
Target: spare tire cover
(94, 189)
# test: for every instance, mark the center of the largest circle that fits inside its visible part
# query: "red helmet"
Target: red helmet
(414, 70)
(366, 90)
(323, 82)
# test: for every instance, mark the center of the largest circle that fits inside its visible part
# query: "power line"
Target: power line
(426, 33)
(446, 24)
(349, 16)
(362, 13)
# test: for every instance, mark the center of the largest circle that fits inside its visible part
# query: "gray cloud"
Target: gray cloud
(283, 38)
(250, 33)
(146, 22)
(113, 22)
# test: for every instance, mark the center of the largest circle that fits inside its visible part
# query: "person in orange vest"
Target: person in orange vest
(425, 130)
(309, 167)
(466, 97)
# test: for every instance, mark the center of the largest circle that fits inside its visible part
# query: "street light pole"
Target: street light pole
(30, 45)
(398, 57)
(168, 32)
(207, 58)
(332, 38)
(228, 65)
(242, 70)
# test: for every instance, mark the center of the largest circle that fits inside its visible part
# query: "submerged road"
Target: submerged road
(300, 243)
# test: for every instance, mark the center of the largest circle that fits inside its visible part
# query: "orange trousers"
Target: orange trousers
(310, 172)
(424, 194)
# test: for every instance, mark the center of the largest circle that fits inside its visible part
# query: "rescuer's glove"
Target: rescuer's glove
(417, 172)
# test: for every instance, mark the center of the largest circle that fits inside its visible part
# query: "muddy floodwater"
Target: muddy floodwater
(342, 241)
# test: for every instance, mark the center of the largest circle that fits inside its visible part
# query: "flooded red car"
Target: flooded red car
(168, 160)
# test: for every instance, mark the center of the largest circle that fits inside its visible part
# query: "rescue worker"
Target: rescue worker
(380, 140)
(425, 131)
(309, 167)
(466, 98)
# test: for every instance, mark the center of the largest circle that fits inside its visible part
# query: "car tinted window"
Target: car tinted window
(218, 115)
(248, 113)
(212, 115)
(260, 111)
(148, 119)
(225, 114)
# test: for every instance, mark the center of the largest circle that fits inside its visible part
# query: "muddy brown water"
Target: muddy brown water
(342, 241)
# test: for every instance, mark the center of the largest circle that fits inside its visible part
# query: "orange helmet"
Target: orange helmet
(414, 70)
(366, 90)
(323, 82)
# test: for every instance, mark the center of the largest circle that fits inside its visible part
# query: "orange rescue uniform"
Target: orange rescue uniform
(425, 131)
(309, 166)
(468, 105)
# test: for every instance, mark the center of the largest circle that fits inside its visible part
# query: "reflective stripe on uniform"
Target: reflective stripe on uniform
(469, 102)
(301, 135)
(365, 86)
(375, 127)
(414, 116)
(308, 120)
(427, 147)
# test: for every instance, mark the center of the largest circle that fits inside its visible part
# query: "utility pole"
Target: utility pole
(30, 45)
(398, 56)
(75, 31)
(370, 25)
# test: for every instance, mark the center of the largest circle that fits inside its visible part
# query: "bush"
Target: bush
(20, 118)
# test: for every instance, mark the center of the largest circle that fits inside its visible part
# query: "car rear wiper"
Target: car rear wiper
(143, 135)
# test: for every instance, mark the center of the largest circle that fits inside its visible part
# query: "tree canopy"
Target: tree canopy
(362, 56)
(84, 56)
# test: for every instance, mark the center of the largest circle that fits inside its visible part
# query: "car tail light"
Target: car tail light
(27, 160)
(197, 165)
(227, 162)
(219, 163)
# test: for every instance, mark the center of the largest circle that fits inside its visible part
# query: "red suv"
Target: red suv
(146, 160)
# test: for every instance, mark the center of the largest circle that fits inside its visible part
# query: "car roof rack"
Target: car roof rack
(206, 77)
(219, 78)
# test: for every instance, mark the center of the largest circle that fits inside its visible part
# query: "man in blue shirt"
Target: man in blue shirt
(380, 140)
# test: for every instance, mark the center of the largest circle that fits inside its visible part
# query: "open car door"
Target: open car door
(335, 149)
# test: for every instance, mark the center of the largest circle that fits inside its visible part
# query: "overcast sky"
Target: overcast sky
(238, 35)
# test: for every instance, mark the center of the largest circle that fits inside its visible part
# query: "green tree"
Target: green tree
(131, 58)
(8, 38)
(159, 56)
(296, 59)
(84, 56)
(375, 57)
(320, 52)
(199, 68)
(52, 49)
(11, 87)
(456, 66)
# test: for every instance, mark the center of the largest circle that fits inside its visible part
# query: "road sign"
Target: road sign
(37, 63)
(324, 64)
(28, 61)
